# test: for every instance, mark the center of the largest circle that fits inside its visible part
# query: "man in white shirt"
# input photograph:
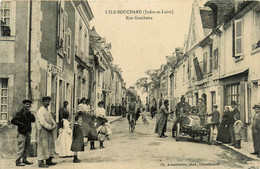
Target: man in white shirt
(45, 126)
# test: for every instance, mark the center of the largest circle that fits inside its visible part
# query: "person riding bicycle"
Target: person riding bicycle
(182, 109)
(132, 109)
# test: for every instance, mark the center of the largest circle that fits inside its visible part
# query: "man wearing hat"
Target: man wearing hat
(45, 137)
(23, 120)
(256, 130)
(181, 108)
(232, 120)
(215, 116)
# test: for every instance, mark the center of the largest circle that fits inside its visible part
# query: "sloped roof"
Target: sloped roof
(207, 18)
(93, 33)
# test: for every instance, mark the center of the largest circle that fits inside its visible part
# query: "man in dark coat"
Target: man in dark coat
(215, 116)
(181, 108)
(23, 120)
(256, 130)
(234, 112)
(62, 111)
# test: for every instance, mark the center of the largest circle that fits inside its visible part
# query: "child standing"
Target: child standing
(102, 133)
(143, 114)
(63, 142)
(237, 128)
(78, 141)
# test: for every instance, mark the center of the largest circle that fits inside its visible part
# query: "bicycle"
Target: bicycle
(131, 123)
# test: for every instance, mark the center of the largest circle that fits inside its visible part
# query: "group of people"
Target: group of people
(45, 138)
(89, 125)
(229, 130)
(116, 110)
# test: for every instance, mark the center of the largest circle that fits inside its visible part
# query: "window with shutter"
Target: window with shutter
(215, 59)
(256, 40)
(65, 29)
(238, 37)
(3, 100)
(61, 26)
(5, 18)
(69, 46)
(205, 55)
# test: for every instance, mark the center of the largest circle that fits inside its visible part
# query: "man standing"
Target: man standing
(45, 137)
(215, 116)
(181, 108)
(62, 111)
(23, 120)
(256, 130)
(235, 112)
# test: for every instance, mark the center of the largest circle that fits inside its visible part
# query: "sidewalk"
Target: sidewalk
(246, 149)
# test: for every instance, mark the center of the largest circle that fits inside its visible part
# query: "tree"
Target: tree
(155, 79)
(143, 84)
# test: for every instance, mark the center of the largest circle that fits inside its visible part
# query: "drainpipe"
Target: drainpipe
(29, 54)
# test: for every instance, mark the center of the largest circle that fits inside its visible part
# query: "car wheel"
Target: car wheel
(210, 135)
(178, 132)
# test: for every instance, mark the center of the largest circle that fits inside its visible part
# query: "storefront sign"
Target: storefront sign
(57, 71)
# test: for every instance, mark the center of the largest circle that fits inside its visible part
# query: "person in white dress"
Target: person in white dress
(100, 111)
(63, 142)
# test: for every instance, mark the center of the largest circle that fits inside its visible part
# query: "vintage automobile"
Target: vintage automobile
(194, 125)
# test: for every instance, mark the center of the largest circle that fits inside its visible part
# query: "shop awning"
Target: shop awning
(236, 73)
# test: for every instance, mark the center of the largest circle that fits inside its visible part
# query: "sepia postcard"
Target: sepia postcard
(130, 84)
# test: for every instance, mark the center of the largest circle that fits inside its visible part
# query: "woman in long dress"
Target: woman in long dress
(223, 130)
(89, 129)
(63, 142)
(161, 122)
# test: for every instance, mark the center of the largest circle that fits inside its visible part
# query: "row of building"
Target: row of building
(219, 62)
(48, 48)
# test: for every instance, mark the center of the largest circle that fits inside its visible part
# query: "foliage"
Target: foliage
(152, 82)
(142, 84)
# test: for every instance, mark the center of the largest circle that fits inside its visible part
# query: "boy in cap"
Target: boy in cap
(45, 137)
(23, 120)
(256, 130)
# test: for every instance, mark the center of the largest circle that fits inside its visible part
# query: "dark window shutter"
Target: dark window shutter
(197, 69)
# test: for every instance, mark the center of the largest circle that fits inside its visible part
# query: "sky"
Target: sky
(140, 45)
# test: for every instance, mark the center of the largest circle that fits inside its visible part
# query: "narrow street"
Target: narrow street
(144, 149)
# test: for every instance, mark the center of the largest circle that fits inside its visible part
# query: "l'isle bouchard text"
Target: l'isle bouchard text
(139, 14)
